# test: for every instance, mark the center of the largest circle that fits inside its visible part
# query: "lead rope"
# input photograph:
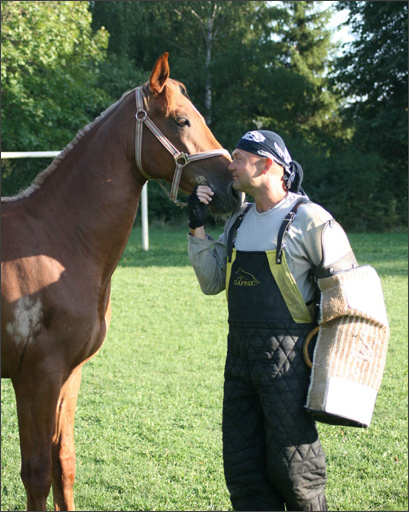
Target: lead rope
(181, 159)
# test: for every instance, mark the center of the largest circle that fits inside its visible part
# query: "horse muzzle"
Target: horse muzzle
(227, 201)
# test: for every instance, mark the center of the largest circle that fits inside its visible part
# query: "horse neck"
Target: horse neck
(93, 195)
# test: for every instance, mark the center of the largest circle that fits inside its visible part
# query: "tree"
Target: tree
(246, 65)
(372, 79)
(308, 49)
(295, 98)
(50, 65)
(233, 56)
(195, 34)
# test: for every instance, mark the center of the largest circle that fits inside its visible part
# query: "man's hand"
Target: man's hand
(198, 205)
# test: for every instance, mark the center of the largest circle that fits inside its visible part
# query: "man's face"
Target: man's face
(245, 167)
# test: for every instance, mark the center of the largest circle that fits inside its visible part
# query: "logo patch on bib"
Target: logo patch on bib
(245, 279)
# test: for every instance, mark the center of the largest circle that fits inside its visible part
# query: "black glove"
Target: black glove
(197, 210)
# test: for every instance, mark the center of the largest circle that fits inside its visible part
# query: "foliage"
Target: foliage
(372, 78)
(148, 422)
(246, 65)
(302, 101)
(188, 30)
(50, 64)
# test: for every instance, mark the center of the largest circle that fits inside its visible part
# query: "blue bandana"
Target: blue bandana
(271, 145)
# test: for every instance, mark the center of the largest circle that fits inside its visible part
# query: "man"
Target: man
(273, 459)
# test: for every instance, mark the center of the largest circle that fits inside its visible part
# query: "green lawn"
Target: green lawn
(148, 424)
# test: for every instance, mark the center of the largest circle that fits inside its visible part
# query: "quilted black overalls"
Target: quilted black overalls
(272, 455)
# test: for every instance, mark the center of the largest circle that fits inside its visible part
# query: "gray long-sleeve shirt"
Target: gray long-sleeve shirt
(304, 246)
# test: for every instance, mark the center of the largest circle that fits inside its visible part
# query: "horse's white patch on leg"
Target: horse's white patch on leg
(27, 320)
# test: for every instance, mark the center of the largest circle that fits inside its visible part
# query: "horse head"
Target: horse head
(178, 146)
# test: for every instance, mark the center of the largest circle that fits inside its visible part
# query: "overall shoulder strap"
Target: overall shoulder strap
(285, 226)
(231, 238)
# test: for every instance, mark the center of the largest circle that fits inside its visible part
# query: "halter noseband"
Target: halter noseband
(181, 159)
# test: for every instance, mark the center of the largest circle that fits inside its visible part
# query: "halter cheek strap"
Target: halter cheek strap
(181, 159)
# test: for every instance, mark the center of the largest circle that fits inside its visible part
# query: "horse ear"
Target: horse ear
(160, 74)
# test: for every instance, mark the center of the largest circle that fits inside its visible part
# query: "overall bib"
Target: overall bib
(272, 455)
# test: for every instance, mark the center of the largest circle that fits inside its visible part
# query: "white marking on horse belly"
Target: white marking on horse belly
(27, 319)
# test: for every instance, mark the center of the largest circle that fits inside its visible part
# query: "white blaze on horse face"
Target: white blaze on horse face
(27, 320)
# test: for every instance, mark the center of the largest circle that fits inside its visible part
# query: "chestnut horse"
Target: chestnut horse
(61, 240)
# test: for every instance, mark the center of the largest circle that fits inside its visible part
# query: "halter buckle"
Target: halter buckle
(141, 115)
(181, 159)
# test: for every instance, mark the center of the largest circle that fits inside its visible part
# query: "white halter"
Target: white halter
(181, 159)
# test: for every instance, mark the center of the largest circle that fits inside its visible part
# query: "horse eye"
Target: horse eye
(182, 121)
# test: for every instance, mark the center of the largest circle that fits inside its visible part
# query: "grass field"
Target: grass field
(148, 423)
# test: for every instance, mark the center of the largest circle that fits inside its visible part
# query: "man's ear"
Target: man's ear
(268, 163)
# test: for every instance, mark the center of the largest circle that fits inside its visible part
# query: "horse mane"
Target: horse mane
(43, 175)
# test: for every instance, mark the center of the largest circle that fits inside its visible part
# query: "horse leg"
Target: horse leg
(63, 449)
(36, 396)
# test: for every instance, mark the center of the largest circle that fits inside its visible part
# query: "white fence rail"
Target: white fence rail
(52, 154)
